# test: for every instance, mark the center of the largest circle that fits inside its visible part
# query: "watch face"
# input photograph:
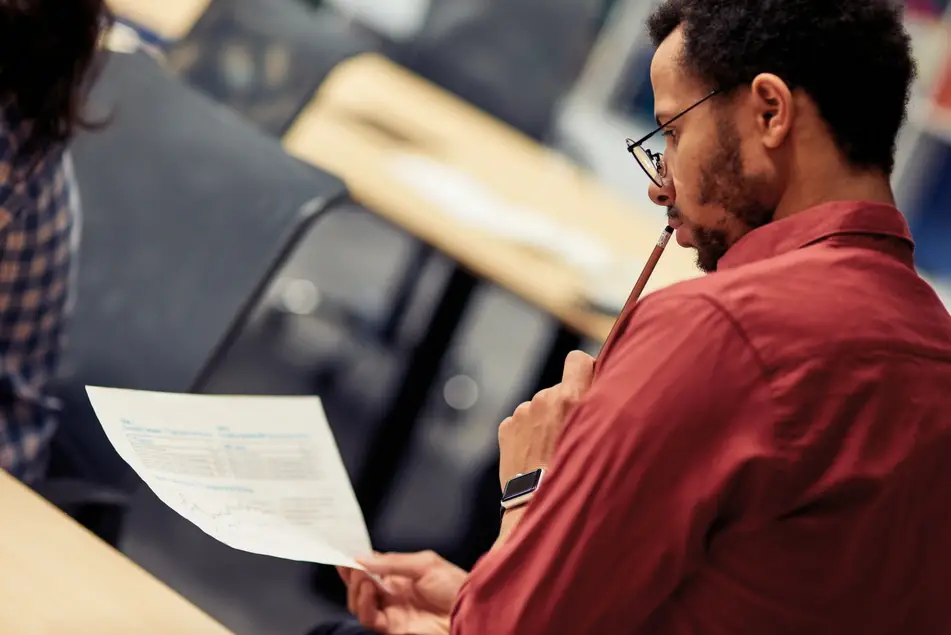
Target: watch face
(521, 485)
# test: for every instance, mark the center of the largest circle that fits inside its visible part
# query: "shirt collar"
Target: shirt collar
(816, 224)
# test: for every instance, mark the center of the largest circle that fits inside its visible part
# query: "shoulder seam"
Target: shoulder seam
(729, 317)
(766, 373)
(779, 433)
(738, 328)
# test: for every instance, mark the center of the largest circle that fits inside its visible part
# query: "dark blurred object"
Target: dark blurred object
(188, 213)
(341, 628)
(512, 58)
(98, 507)
(931, 222)
(266, 58)
(635, 95)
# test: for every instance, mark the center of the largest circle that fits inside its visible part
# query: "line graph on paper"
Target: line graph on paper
(254, 525)
(225, 517)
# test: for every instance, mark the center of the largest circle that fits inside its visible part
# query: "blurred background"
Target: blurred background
(492, 221)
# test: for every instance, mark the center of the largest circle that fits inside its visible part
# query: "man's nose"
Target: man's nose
(662, 195)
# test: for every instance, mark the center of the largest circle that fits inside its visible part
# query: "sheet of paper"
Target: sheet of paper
(260, 474)
(470, 202)
(400, 20)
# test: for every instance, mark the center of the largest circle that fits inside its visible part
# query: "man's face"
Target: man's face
(717, 186)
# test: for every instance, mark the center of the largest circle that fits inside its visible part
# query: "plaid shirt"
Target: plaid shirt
(39, 222)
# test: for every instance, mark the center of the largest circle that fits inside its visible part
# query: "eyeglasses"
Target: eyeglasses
(653, 162)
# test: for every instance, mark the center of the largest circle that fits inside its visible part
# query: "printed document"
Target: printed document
(260, 474)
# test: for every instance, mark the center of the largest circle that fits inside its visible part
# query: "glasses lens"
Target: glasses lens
(647, 162)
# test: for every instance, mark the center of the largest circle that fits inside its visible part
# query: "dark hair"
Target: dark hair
(49, 54)
(852, 57)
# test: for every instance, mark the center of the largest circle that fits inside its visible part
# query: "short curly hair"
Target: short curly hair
(852, 57)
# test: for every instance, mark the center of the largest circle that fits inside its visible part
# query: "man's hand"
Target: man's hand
(422, 589)
(527, 438)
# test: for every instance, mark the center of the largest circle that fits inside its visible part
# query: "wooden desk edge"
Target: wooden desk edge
(168, 28)
(34, 504)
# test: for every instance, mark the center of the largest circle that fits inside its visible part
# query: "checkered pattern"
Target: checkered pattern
(38, 231)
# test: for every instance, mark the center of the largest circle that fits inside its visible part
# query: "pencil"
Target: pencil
(650, 265)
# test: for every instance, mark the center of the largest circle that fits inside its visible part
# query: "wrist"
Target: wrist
(511, 517)
(516, 495)
(510, 520)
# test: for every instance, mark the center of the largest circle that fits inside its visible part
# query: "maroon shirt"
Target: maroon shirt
(765, 450)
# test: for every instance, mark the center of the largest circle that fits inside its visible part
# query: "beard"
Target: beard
(725, 184)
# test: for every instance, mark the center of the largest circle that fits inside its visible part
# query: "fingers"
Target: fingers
(364, 601)
(578, 372)
(367, 604)
(353, 585)
(410, 565)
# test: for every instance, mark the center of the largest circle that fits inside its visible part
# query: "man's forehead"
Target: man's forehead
(671, 85)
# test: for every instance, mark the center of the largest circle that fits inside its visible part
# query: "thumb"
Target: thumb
(409, 565)
(578, 372)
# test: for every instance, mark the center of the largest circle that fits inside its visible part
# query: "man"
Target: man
(762, 450)
(47, 52)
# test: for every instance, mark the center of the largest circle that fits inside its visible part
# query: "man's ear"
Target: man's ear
(774, 109)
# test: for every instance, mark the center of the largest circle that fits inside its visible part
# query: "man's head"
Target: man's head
(48, 54)
(810, 95)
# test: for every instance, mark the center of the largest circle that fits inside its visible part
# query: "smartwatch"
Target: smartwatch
(519, 490)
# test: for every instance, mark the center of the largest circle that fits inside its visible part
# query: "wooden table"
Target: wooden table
(56, 578)
(370, 111)
(170, 20)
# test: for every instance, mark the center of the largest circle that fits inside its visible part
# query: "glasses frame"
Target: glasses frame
(657, 168)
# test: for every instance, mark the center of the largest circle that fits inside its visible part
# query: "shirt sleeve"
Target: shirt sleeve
(676, 422)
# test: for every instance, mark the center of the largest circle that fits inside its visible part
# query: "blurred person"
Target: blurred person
(764, 449)
(48, 52)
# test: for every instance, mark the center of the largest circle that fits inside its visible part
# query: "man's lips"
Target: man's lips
(673, 217)
(684, 237)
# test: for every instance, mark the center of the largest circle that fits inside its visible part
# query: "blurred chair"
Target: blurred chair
(512, 58)
(266, 58)
(188, 213)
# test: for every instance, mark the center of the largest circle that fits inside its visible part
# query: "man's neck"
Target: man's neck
(873, 187)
